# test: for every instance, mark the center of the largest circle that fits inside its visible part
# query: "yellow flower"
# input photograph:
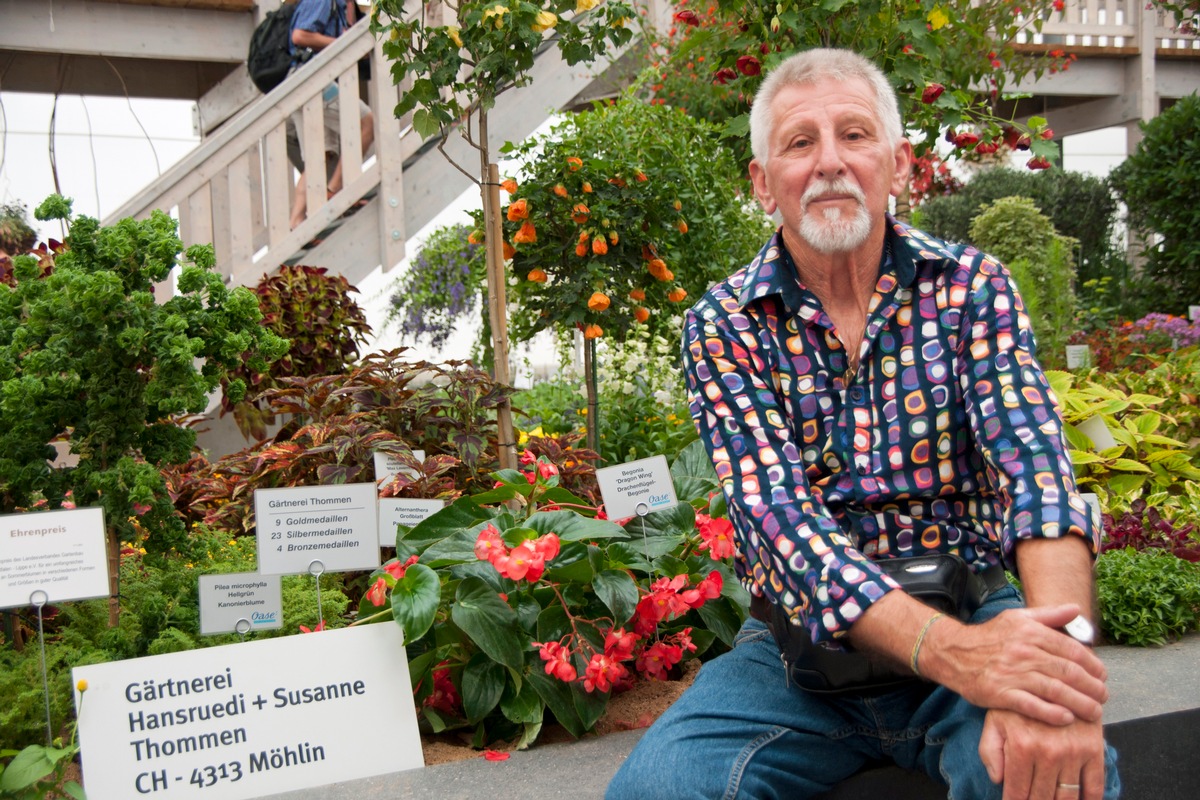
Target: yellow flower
(585, 5)
(497, 11)
(82, 685)
(544, 21)
(619, 22)
(937, 17)
(452, 33)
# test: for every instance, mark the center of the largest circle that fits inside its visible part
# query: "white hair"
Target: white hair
(811, 66)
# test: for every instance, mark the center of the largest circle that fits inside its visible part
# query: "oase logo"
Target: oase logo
(261, 618)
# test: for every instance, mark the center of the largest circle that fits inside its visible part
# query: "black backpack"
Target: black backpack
(269, 58)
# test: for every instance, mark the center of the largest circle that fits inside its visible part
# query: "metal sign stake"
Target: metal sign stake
(315, 568)
(38, 599)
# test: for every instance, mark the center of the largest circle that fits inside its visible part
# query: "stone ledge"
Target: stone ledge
(1152, 718)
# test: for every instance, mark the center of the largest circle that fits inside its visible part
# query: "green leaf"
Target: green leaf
(589, 705)
(29, 766)
(1126, 485)
(653, 547)
(483, 683)
(571, 565)
(553, 623)
(425, 124)
(74, 790)
(522, 705)
(415, 599)
(676, 521)
(419, 667)
(557, 494)
(572, 527)
(720, 618)
(617, 590)
(557, 697)
(436, 723)
(1129, 465)
(530, 734)
(458, 548)
(628, 556)
(489, 621)
(462, 513)
(693, 472)
(1079, 457)
(501, 494)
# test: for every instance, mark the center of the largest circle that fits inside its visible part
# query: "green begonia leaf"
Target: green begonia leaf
(489, 621)
(415, 599)
(483, 683)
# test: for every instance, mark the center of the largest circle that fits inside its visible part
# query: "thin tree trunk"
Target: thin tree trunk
(497, 302)
(114, 577)
(593, 405)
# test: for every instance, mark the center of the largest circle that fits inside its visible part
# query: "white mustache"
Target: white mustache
(838, 186)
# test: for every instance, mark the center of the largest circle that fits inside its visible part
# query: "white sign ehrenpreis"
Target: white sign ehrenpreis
(636, 487)
(395, 511)
(61, 553)
(336, 526)
(240, 602)
(249, 720)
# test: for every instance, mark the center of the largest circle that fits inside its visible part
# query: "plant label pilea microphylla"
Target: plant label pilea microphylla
(249, 720)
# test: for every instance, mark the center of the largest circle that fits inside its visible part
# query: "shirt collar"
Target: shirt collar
(773, 273)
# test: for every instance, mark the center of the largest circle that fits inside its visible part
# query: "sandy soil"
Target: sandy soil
(636, 708)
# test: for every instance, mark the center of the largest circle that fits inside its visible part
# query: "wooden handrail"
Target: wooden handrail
(235, 188)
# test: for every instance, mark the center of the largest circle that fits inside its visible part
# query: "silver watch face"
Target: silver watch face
(1080, 630)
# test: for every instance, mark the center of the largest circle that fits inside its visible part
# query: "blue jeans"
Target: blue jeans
(740, 731)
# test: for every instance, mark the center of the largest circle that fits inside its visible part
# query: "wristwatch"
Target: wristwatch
(1081, 631)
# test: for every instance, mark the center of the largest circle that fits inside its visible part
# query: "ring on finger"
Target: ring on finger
(1074, 786)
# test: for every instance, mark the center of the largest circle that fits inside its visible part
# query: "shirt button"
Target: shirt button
(856, 394)
(862, 469)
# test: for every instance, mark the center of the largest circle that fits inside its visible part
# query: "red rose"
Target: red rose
(749, 65)
(687, 17)
(966, 139)
(724, 75)
(1038, 162)
(932, 92)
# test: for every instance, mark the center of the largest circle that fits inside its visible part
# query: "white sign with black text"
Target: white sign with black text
(395, 511)
(636, 488)
(240, 602)
(61, 553)
(249, 720)
(387, 465)
(317, 529)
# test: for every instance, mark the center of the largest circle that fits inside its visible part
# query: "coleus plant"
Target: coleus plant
(526, 598)
(1143, 527)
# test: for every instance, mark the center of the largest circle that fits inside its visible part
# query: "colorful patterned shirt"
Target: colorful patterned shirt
(947, 439)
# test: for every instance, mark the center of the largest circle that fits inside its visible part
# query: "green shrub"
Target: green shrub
(553, 406)
(1080, 206)
(1016, 232)
(314, 311)
(643, 407)
(1147, 597)
(1159, 184)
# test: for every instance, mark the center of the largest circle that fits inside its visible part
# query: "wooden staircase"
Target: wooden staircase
(235, 189)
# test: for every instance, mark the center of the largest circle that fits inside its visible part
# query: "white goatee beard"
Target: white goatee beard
(831, 232)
